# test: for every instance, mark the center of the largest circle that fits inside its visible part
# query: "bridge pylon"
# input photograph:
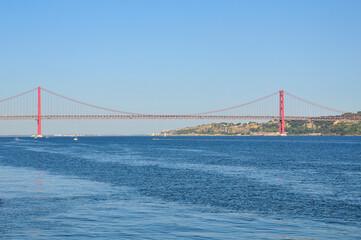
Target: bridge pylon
(39, 112)
(282, 112)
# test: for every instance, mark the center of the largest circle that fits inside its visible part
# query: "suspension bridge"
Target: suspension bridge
(41, 104)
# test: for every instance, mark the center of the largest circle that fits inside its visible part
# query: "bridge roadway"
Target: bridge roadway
(173, 117)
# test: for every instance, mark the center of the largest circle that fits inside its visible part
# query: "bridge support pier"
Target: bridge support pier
(282, 113)
(39, 112)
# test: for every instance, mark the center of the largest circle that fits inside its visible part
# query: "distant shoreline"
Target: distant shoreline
(271, 128)
(179, 135)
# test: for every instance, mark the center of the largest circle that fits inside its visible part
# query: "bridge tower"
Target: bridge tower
(39, 112)
(282, 112)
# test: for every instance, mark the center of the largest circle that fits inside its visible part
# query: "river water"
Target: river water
(180, 188)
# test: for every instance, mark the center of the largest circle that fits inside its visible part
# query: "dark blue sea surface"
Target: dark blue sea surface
(180, 188)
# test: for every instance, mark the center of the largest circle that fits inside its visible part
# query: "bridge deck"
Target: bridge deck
(174, 117)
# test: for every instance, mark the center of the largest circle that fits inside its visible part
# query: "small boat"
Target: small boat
(75, 139)
(155, 139)
(16, 139)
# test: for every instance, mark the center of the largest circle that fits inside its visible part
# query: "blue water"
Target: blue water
(181, 188)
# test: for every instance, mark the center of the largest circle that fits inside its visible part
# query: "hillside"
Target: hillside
(271, 128)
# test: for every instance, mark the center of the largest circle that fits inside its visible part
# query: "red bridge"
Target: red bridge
(41, 104)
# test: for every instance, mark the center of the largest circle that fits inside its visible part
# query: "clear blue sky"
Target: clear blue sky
(181, 56)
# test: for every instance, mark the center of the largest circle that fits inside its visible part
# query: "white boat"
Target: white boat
(75, 139)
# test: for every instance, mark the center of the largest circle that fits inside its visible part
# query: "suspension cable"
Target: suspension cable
(315, 104)
(238, 106)
(90, 105)
(21, 94)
